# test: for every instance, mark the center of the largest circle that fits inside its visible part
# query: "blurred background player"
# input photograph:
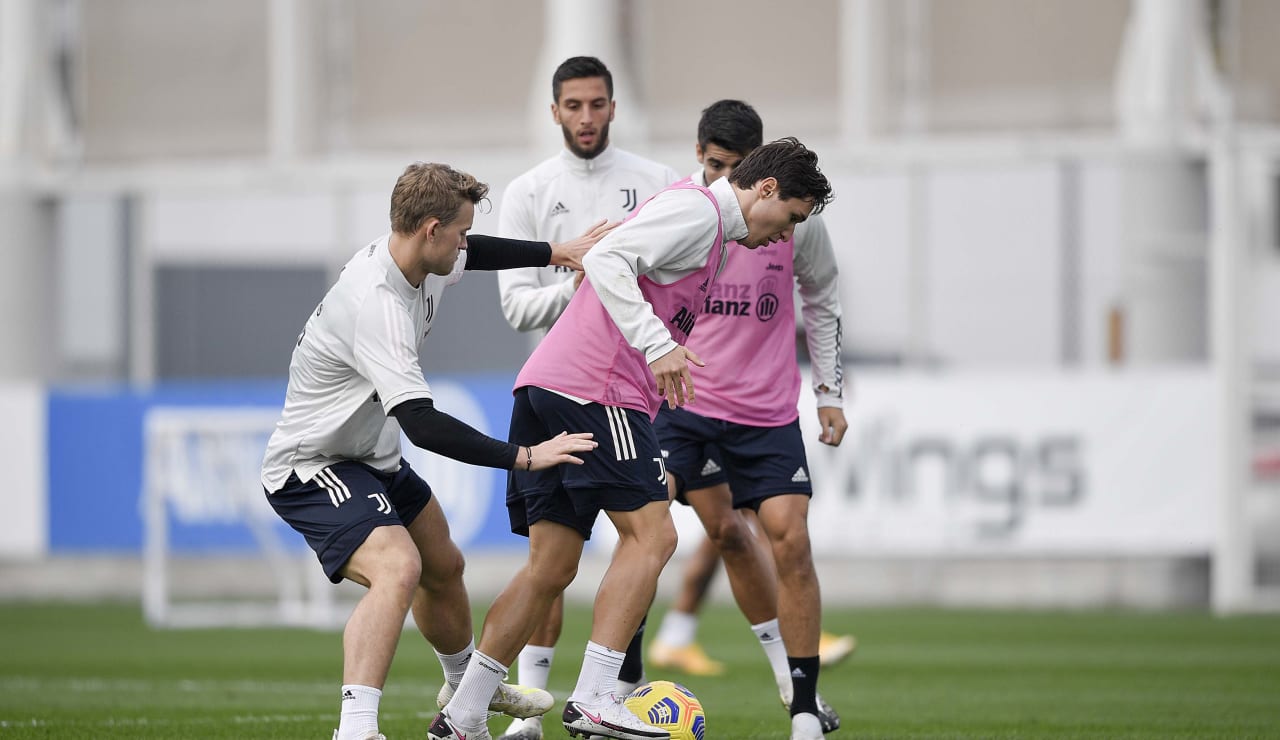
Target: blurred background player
(588, 180)
(675, 645)
(739, 447)
(607, 364)
(332, 467)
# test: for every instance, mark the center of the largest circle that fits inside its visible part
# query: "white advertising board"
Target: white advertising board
(1017, 464)
(24, 527)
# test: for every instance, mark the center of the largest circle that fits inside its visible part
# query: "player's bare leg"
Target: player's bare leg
(785, 520)
(554, 552)
(547, 634)
(699, 573)
(675, 646)
(388, 565)
(646, 540)
(832, 648)
(751, 576)
(441, 607)
(535, 668)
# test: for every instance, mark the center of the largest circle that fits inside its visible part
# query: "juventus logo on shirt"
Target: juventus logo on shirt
(629, 201)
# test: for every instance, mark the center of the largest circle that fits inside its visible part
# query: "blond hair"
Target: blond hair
(430, 190)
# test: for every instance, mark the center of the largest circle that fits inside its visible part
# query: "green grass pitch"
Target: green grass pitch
(75, 671)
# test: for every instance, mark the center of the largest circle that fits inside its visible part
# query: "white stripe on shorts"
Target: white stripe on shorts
(624, 444)
(338, 491)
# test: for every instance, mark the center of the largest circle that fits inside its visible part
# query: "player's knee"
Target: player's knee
(552, 577)
(400, 569)
(443, 571)
(730, 535)
(665, 540)
(792, 548)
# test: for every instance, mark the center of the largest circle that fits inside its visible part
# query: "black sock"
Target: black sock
(804, 683)
(633, 664)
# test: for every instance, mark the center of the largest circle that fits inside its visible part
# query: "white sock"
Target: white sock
(599, 676)
(771, 640)
(455, 665)
(535, 665)
(678, 628)
(359, 712)
(470, 704)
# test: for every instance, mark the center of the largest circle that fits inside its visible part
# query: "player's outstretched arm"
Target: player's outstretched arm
(671, 370)
(555, 451)
(569, 254)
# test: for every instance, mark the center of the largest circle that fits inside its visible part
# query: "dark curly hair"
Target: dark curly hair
(793, 165)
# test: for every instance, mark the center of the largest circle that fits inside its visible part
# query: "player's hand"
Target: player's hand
(569, 254)
(671, 370)
(559, 449)
(831, 419)
(577, 279)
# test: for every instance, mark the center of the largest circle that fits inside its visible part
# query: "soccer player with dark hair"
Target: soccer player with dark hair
(588, 179)
(739, 448)
(611, 359)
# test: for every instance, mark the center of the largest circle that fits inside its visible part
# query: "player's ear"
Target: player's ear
(613, 108)
(768, 187)
(555, 114)
(429, 228)
(698, 153)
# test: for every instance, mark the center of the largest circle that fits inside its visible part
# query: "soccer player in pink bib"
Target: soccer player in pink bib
(610, 361)
(739, 448)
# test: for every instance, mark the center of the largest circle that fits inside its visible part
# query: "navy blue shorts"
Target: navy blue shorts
(756, 462)
(338, 508)
(624, 473)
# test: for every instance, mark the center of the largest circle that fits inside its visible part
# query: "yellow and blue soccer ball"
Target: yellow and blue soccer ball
(671, 707)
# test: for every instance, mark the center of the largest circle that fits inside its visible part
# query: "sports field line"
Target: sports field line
(98, 685)
(243, 719)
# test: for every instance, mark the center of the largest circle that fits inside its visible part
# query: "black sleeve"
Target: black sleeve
(440, 433)
(496, 253)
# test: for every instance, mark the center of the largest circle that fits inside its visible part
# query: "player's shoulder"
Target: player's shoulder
(369, 271)
(811, 233)
(366, 264)
(541, 173)
(628, 161)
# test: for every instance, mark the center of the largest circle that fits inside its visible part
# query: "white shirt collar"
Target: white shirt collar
(601, 161)
(731, 219)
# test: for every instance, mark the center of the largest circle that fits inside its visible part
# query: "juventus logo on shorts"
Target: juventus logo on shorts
(624, 444)
(384, 506)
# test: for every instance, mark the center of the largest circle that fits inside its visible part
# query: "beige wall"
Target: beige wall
(447, 72)
(1259, 61)
(780, 57)
(995, 64)
(174, 78)
(187, 78)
